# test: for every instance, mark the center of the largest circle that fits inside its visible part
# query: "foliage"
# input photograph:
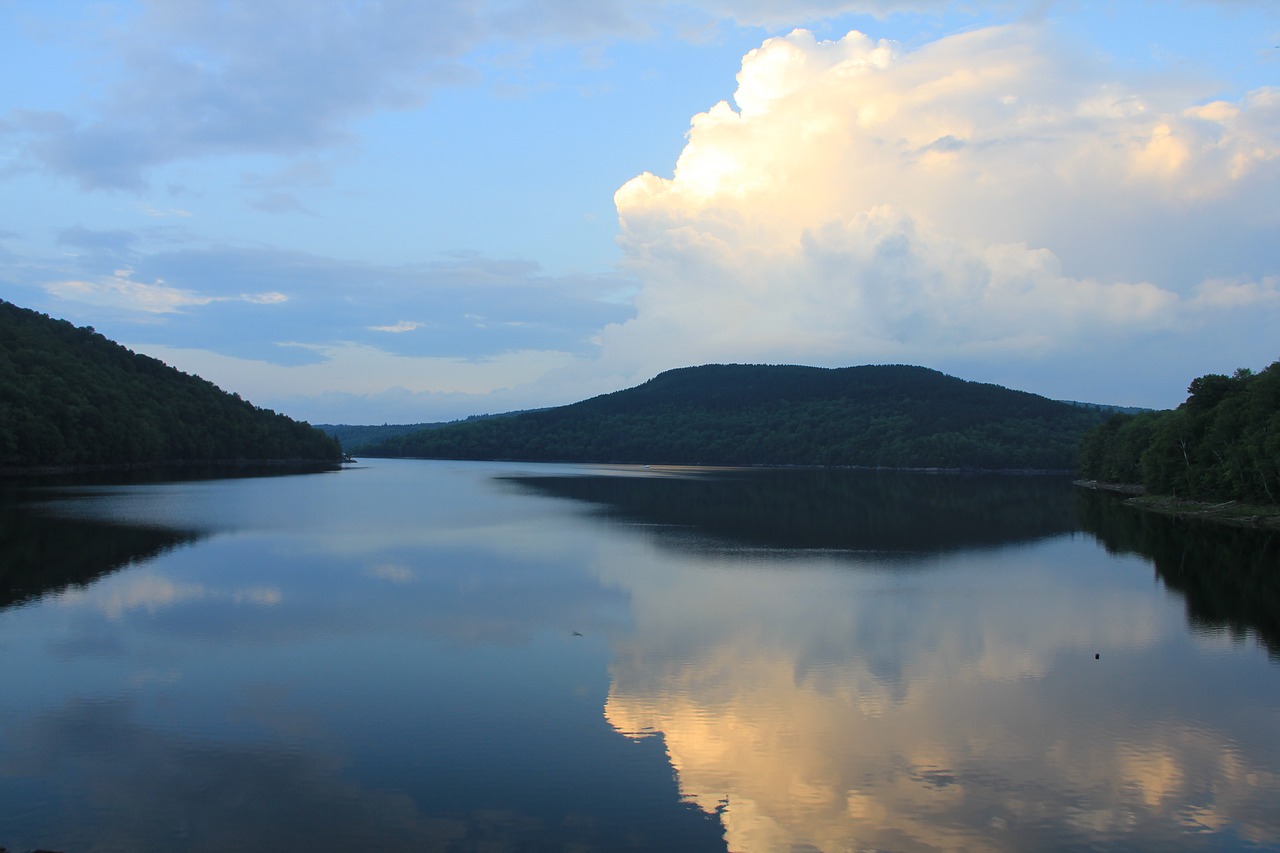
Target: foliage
(1223, 443)
(879, 416)
(70, 397)
(357, 436)
(354, 435)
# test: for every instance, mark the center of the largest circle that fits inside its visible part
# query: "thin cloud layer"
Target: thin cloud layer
(261, 304)
(120, 291)
(985, 196)
(201, 79)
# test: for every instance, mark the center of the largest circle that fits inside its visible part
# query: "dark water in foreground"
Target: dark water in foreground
(460, 656)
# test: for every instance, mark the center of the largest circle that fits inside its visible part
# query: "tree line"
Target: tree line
(876, 416)
(71, 397)
(1223, 443)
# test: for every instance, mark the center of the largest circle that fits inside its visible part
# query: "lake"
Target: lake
(413, 655)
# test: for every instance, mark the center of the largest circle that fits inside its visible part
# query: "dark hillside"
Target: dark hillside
(887, 416)
(1221, 444)
(355, 435)
(70, 397)
(361, 435)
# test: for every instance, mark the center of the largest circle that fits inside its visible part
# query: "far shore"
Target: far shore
(41, 471)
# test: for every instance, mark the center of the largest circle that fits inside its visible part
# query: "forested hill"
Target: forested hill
(355, 435)
(70, 397)
(1222, 443)
(889, 416)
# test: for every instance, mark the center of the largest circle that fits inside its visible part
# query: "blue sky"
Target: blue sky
(372, 212)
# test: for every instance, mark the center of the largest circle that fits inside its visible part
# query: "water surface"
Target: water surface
(417, 655)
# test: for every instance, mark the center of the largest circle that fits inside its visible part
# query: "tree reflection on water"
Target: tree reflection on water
(1228, 576)
(42, 553)
(862, 510)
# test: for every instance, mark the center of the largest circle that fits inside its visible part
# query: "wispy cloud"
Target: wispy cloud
(166, 214)
(208, 78)
(243, 303)
(78, 236)
(119, 290)
(396, 328)
(391, 572)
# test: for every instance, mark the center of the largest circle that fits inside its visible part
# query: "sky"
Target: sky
(353, 211)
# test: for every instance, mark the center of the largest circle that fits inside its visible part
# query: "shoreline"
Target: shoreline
(42, 471)
(1131, 489)
(745, 466)
(1229, 513)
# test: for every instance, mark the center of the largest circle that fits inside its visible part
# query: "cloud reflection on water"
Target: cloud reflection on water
(840, 699)
(987, 727)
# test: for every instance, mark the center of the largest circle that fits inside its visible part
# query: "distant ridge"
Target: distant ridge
(70, 398)
(737, 414)
(360, 435)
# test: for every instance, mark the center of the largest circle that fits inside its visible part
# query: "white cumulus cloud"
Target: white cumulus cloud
(986, 195)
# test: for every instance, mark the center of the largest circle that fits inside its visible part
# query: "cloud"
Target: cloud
(278, 202)
(775, 14)
(212, 78)
(206, 78)
(978, 203)
(113, 240)
(261, 304)
(166, 214)
(270, 298)
(985, 196)
(118, 595)
(391, 572)
(397, 328)
(292, 79)
(356, 383)
(273, 192)
(1227, 294)
(119, 290)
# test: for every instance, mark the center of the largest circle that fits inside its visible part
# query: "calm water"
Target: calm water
(414, 655)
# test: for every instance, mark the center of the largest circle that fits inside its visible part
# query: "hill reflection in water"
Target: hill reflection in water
(838, 509)
(41, 553)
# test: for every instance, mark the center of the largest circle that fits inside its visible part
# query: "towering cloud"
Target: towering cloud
(985, 196)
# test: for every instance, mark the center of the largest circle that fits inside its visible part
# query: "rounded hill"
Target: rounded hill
(737, 414)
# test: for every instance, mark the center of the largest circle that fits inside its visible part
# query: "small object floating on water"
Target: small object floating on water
(577, 633)
(1097, 656)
